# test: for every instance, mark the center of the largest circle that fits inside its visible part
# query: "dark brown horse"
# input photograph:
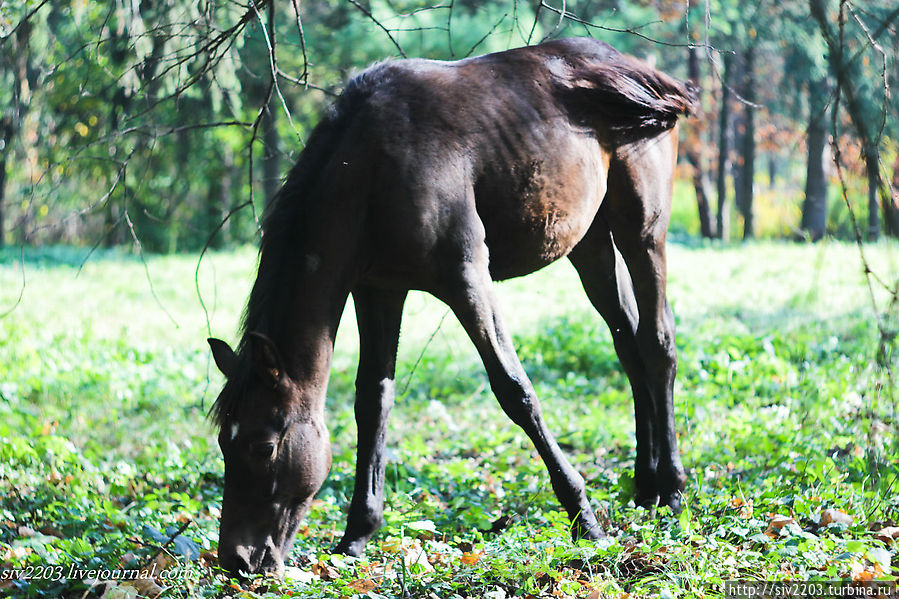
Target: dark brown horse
(442, 177)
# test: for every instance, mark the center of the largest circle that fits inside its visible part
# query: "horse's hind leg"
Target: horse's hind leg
(378, 315)
(468, 290)
(609, 288)
(637, 209)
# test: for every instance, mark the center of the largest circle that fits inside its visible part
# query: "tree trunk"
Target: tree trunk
(850, 82)
(6, 129)
(892, 202)
(695, 156)
(814, 207)
(723, 216)
(748, 174)
(872, 166)
(17, 62)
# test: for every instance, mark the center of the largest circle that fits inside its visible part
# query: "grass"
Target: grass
(782, 411)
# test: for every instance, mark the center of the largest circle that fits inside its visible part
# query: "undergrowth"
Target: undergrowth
(786, 428)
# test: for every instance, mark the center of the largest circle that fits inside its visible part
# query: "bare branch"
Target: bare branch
(368, 14)
(4, 38)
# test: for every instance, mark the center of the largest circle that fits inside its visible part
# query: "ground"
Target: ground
(784, 412)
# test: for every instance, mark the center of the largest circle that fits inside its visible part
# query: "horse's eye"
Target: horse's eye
(263, 450)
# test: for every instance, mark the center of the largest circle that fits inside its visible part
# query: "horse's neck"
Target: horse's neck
(301, 316)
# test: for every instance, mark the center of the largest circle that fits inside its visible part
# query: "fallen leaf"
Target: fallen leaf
(297, 574)
(864, 575)
(416, 559)
(208, 558)
(51, 531)
(362, 585)
(145, 587)
(26, 531)
(325, 571)
(470, 558)
(776, 523)
(113, 590)
(835, 516)
(887, 534)
(162, 561)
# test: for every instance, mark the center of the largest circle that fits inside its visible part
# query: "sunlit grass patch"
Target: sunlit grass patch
(783, 423)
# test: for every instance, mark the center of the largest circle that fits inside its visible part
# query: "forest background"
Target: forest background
(139, 143)
(150, 123)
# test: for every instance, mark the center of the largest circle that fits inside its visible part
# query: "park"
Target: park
(145, 150)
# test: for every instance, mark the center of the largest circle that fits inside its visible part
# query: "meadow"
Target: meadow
(785, 411)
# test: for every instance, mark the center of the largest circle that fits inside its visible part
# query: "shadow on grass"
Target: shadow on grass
(60, 255)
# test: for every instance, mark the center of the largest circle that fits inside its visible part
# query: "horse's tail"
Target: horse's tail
(628, 97)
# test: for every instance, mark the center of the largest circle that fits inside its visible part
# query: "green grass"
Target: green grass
(782, 409)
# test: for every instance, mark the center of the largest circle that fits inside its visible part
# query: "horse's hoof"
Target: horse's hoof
(352, 548)
(648, 501)
(594, 534)
(673, 500)
(590, 531)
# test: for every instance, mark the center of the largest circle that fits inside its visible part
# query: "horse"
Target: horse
(444, 177)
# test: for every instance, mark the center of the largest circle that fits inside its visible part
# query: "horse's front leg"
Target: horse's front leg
(378, 315)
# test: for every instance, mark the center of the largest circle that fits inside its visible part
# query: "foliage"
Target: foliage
(782, 415)
(104, 107)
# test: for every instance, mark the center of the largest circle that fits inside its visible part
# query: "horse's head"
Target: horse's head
(277, 454)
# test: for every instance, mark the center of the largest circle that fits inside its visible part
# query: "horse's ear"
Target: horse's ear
(266, 359)
(224, 356)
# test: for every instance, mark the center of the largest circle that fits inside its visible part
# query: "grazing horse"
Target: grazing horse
(443, 177)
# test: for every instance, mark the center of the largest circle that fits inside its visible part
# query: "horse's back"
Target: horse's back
(504, 148)
(479, 143)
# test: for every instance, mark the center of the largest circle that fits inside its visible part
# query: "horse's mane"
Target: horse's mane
(284, 222)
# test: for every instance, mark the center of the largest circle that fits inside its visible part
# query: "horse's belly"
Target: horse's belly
(540, 216)
(517, 249)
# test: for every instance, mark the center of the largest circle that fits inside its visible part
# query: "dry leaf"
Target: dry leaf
(776, 523)
(145, 587)
(325, 571)
(415, 559)
(161, 561)
(297, 574)
(26, 531)
(362, 585)
(831, 516)
(51, 531)
(470, 558)
(887, 534)
(209, 558)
